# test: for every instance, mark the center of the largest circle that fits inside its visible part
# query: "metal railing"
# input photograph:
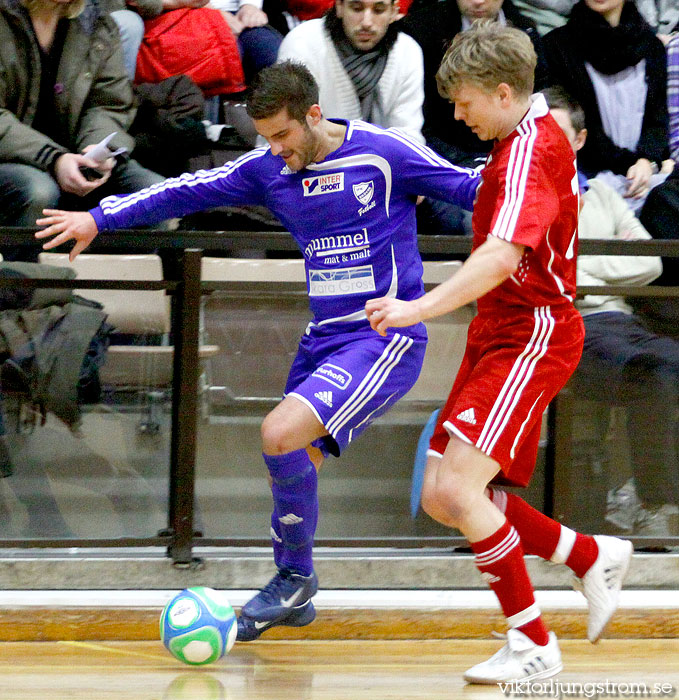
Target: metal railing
(180, 537)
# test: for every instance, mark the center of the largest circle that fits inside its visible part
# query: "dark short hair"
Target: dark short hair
(287, 85)
(558, 98)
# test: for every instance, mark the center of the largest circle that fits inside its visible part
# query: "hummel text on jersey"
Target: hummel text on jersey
(335, 245)
(467, 416)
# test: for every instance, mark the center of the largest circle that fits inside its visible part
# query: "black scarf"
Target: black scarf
(364, 68)
(610, 49)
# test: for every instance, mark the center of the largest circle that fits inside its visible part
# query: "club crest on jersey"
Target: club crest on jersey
(323, 184)
(363, 191)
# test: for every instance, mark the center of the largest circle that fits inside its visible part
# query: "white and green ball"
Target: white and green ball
(198, 626)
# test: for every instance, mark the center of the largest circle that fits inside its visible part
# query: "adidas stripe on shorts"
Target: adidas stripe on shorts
(513, 366)
(349, 379)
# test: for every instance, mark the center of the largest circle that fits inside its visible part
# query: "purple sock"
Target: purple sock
(295, 498)
(276, 539)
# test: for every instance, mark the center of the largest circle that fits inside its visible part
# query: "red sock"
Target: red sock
(583, 555)
(499, 558)
(545, 537)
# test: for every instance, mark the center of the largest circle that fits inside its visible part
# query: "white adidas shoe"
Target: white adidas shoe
(519, 659)
(602, 583)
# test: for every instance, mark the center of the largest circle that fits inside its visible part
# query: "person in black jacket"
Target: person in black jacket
(608, 58)
(433, 27)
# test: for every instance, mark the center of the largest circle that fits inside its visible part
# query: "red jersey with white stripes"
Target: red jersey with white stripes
(529, 196)
(526, 340)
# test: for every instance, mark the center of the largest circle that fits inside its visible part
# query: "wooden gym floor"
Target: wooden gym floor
(321, 670)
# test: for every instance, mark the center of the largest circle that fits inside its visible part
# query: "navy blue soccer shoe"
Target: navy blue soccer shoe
(249, 629)
(283, 601)
(285, 591)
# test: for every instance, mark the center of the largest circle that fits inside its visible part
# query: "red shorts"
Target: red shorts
(513, 367)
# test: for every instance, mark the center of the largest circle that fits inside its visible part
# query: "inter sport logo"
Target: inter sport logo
(323, 184)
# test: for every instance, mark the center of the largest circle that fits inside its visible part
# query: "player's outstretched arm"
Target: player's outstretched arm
(79, 226)
(488, 266)
(387, 312)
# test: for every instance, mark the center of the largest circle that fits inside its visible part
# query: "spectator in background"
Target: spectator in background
(622, 362)
(286, 14)
(546, 14)
(661, 211)
(258, 42)
(672, 50)
(63, 88)
(434, 28)
(365, 68)
(129, 15)
(661, 15)
(611, 62)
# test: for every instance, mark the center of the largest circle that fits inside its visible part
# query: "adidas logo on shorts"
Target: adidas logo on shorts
(467, 416)
(325, 397)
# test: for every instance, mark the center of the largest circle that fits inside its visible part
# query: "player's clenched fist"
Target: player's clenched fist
(387, 312)
(66, 225)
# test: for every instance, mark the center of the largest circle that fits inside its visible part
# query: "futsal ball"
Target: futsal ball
(198, 626)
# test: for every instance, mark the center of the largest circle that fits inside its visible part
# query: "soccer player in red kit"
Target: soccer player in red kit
(522, 347)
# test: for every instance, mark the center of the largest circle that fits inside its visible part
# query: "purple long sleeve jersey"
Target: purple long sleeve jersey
(352, 215)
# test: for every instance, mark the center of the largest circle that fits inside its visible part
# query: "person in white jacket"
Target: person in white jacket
(622, 362)
(365, 68)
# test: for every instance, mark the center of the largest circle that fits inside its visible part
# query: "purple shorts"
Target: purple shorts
(349, 379)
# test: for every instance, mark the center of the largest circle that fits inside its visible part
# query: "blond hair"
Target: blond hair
(486, 55)
(70, 10)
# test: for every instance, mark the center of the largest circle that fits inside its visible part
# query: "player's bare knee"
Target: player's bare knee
(458, 512)
(277, 438)
(455, 498)
(431, 503)
(443, 503)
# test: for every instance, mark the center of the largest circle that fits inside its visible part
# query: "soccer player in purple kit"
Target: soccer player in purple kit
(346, 191)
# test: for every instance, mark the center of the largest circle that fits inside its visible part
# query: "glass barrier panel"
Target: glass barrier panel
(366, 492)
(617, 428)
(86, 417)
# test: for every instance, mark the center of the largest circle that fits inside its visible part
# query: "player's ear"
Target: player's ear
(314, 116)
(504, 92)
(580, 139)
